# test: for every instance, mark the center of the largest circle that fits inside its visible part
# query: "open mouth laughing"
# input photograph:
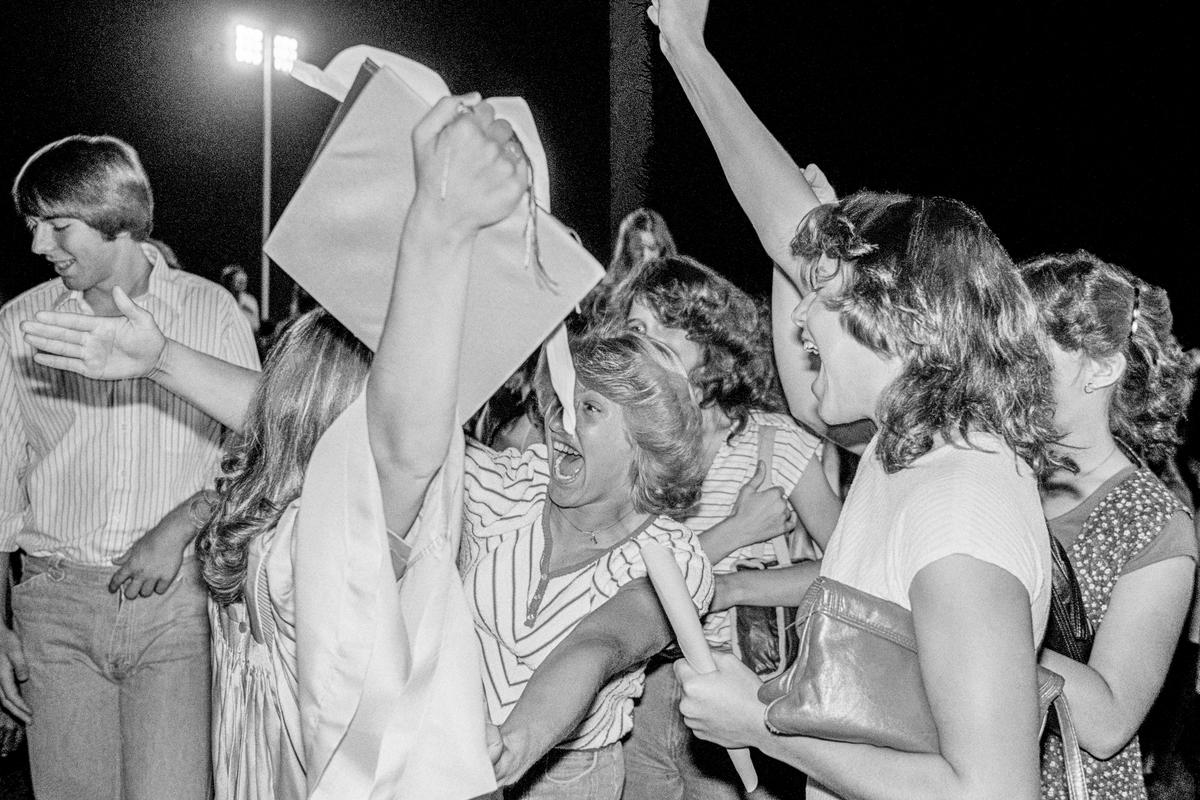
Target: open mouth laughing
(566, 462)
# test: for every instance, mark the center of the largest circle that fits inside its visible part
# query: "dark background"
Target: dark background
(1063, 124)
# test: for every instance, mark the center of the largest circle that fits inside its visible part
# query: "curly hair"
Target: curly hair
(927, 281)
(662, 419)
(1103, 310)
(737, 370)
(314, 371)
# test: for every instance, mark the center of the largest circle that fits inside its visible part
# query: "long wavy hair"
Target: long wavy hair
(927, 281)
(737, 370)
(1101, 309)
(661, 417)
(627, 247)
(626, 255)
(314, 371)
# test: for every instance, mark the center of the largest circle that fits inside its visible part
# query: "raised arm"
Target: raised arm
(133, 346)
(769, 185)
(767, 182)
(470, 174)
(816, 501)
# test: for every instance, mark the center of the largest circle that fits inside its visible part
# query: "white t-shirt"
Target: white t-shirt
(982, 503)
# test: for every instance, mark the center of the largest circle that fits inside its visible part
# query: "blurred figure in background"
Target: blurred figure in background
(642, 236)
(235, 279)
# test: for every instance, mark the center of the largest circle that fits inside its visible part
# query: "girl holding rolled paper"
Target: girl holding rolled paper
(943, 517)
(921, 325)
(764, 472)
(1122, 384)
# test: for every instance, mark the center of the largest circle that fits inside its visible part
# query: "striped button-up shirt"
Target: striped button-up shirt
(523, 610)
(86, 466)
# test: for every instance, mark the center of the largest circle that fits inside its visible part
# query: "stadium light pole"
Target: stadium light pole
(254, 46)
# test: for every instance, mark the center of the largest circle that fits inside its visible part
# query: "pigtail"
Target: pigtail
(1157, 386)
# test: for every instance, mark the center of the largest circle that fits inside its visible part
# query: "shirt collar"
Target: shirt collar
(163, 296)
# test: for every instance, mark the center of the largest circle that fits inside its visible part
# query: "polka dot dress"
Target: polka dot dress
(1120, 526)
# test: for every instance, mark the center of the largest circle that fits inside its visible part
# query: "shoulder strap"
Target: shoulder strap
(1069, 631)
(258, 595)
(258, 589)
(766, 454)
(1072, 760)
(766, 444)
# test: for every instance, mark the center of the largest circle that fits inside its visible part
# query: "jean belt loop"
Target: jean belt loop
(55, 568)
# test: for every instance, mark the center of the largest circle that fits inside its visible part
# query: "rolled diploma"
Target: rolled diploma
(677, 602)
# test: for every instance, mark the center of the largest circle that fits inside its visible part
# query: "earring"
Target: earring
(1089, 387)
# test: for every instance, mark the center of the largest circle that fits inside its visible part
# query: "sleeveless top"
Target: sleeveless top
(1122, 524)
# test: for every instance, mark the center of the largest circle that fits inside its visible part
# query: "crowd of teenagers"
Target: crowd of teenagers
(913, 415)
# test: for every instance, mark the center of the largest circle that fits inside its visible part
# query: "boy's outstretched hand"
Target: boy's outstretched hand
(103, 348)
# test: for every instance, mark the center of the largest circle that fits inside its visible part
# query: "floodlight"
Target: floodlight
(285, 50)
(248, 44)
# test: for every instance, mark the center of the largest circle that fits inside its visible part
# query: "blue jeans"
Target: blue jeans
(664, 760)
(119, 688)
(573, 775)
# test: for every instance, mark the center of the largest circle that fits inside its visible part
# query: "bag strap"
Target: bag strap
(766, 454)
(1072, 760)
(1069, 631)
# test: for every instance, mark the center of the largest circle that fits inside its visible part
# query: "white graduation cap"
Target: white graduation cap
(340, 235)
(389, 692)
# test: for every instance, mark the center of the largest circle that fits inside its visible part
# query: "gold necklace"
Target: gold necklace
(594, 535)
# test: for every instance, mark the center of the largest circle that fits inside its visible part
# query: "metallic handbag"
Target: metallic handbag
(856, 678)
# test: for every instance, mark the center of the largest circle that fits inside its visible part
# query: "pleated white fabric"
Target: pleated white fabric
(391, 703)
(256, 716)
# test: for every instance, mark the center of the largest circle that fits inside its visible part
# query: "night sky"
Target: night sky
(1064, 125)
